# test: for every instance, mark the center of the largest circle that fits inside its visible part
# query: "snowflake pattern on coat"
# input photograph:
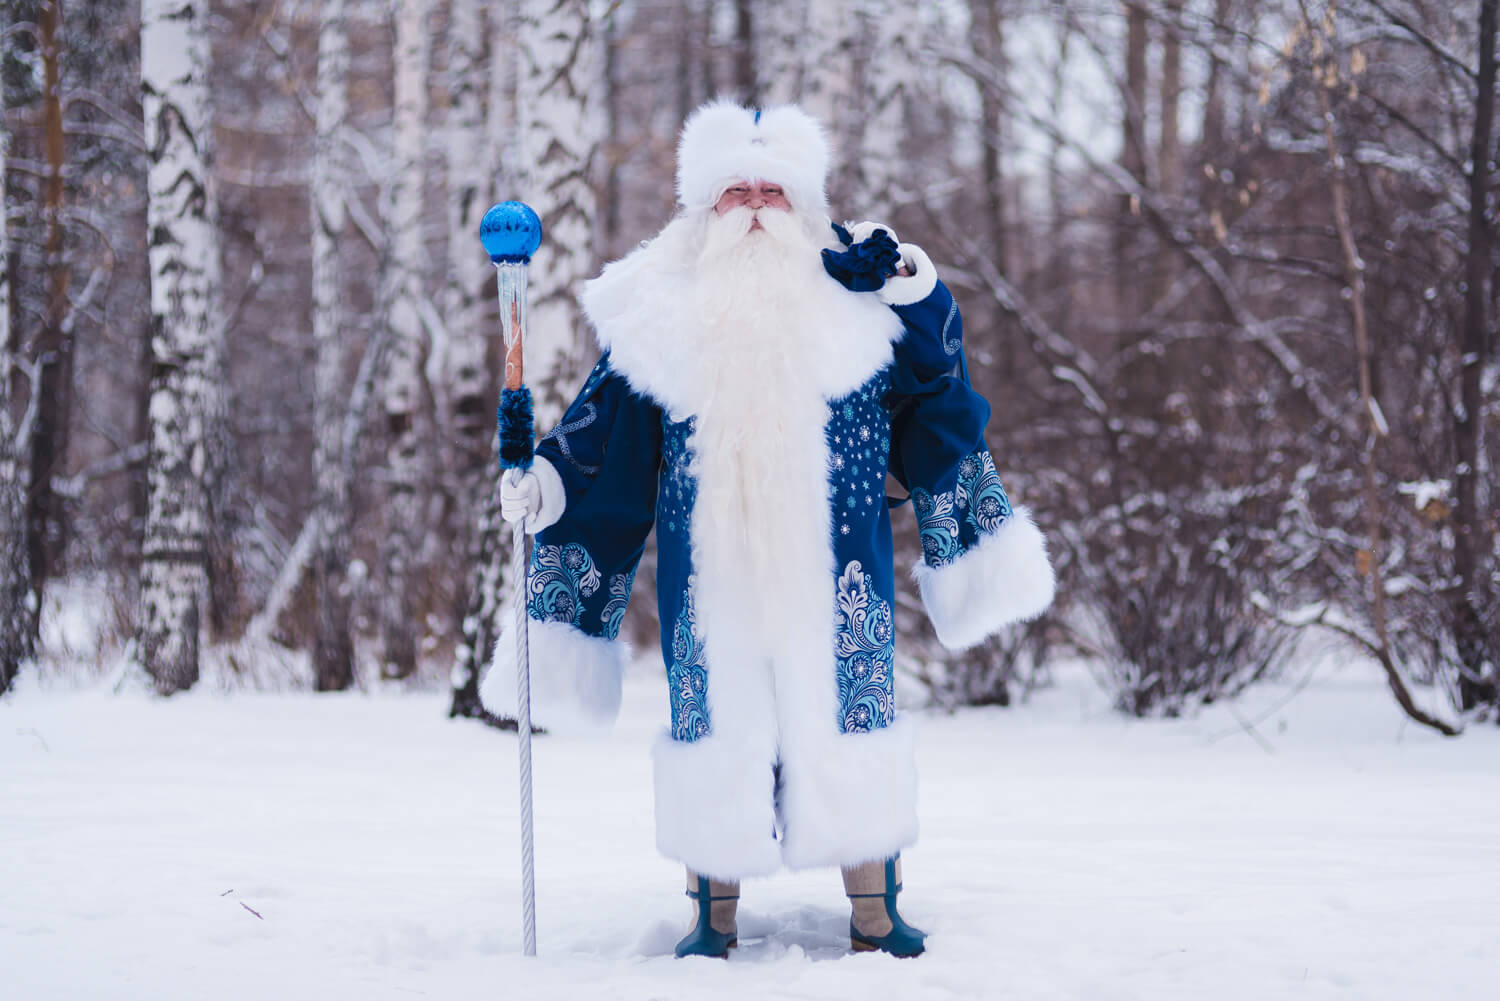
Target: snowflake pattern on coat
(687, 674)
(865, 647)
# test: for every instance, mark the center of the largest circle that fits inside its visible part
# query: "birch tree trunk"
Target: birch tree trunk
(405, 391)
(49, 440)
(333, 648)
(16, 644)
(810, 59)
(557, 97)
(468, 420)
(476, 137)
(186, 339)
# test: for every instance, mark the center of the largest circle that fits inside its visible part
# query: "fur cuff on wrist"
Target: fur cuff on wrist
(1006, 578)
(575, 677)
(914, 287)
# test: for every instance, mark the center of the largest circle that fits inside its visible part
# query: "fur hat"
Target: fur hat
(723, 142)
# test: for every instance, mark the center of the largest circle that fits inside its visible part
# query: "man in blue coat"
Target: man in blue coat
(763, 372)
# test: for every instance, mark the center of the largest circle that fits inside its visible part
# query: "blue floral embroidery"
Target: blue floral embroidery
(687, 678)
(938, 527)
(980, 494)
(619, 596)
(561, 577)
(865, 647)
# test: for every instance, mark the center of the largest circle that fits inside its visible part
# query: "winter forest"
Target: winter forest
(1227, 267)
(1227, 273)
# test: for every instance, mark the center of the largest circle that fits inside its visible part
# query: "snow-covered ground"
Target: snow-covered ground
(292, 846)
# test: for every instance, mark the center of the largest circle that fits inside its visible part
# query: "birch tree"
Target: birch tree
(467, 414)
(809, 58)
(470, 276)
(186, 339)
(15, 577)
(561, 127)
(890, 82)
(405, 389)
(333, 650)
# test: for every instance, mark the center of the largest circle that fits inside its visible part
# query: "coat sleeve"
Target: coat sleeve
(603, 459)
(984, 563)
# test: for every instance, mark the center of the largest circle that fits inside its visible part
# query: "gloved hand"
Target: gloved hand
(872, 256)
(520, 497)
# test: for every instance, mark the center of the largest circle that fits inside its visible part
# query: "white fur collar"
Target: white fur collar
(641, 308)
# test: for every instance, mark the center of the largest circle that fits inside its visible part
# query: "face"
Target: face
(754, 195)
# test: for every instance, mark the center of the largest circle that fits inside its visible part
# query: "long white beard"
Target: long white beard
(759, 446)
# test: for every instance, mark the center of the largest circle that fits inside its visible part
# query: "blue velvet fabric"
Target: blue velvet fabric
(862, 266)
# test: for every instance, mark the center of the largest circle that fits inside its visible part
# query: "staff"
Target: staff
(511, 232)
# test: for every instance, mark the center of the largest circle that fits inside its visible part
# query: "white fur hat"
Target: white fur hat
(723, 142)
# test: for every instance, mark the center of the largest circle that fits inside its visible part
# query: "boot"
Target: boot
(714, 906)
(875, 923)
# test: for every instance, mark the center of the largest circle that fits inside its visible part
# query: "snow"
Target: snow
(363, 846)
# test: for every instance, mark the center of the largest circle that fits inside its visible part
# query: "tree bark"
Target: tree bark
(16, 630)
(54, 348)
(561, 127)
(1128, 285)
(1478, 683)
(1170, 158)
(186, 339)
(1215, 132)
(486, 549)
(989, 47)
(333, 647)
(405, 391)
(745, 84)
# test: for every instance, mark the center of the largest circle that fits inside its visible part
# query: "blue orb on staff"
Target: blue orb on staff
(510, 232)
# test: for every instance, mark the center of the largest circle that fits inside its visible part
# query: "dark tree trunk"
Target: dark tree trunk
(1471, 533)
(49, 442)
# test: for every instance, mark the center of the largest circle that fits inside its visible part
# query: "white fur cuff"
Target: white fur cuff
(914, 287)
(850, 799)
(714, 808)
(554, 496)
(575, 677)
(1006, 578)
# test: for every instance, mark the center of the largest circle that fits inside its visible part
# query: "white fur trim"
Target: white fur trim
(713, 807)
(641, 307)
(914, 287)
(554, 497)
(575, 677)
(861, 231)
(722, 143)
(1006, 578)
(851, 798)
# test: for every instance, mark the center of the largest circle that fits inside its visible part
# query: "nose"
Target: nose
(756, 199)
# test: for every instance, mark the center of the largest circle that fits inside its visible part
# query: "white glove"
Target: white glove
(520, 496)
(861, 231)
